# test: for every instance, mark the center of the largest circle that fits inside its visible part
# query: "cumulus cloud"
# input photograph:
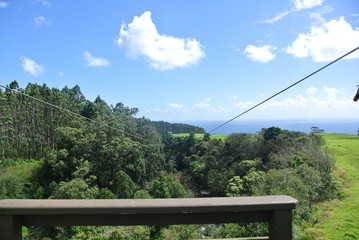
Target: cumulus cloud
(306, 4)
(92, 61)
(3, 4)
(260, 54)
(327, 42)
(331, 92)
(31, 66)
(141, 38)
(311, 90)
(324, 102)
(41, 21)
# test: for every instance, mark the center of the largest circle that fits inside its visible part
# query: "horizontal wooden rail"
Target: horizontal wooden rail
(276, 210)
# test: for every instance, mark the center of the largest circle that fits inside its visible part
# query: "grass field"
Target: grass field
(339, 219)
(200, 135)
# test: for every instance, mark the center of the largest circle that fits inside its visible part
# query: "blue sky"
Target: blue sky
(189, 60)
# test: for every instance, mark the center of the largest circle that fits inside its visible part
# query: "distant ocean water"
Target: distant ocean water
(347, 126)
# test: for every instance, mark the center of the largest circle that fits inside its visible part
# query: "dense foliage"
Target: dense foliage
(119, 156)
(166, 127)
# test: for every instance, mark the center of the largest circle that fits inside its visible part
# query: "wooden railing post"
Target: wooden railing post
(10, 227)
(280, 225)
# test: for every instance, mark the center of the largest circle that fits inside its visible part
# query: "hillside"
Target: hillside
(339, 219)
(106, 152)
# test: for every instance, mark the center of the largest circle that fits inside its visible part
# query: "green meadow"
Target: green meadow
(200, 135)
(339, 219)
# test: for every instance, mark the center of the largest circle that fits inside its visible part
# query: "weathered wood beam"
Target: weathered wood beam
(277, 210)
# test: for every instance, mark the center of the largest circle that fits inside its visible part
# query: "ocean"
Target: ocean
(347, 126)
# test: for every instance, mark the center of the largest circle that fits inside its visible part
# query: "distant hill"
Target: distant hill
(165, 127)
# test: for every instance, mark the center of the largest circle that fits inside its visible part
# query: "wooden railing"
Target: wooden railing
(276, 210)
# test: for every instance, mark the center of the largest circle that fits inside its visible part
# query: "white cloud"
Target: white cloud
(172, 109)
(327, 42)
(331, 92)
(204, 104)
(141, 38)
(41, 21)
(298, 6)
(92, 61)
(260, 54)
(31, 66)
(312, 90)
(177, 108)
(306, 4)
(234, 97)
(246, 104)
(44, 2)
(323, 102)
(295, 102)
(175, 105)
(317, 15)
(277, 17)
(3, 4)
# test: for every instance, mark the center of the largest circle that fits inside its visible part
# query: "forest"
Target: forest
(166, 127)
(106, 152)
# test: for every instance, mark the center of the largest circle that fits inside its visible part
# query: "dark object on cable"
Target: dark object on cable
(356, 97)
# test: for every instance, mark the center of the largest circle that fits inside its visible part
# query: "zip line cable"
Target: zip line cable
(68, 111)
(285, 89)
